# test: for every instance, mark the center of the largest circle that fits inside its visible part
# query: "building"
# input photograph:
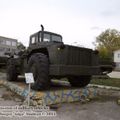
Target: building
(7, 44)
(117, 59)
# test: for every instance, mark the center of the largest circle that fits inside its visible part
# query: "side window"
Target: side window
(33, 40)
(2, 49)
(2, 42)
(118, 55)
(8, 43)
(14, 43)
(7, 49)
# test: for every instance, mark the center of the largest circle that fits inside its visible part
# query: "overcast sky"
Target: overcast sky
(76, 20)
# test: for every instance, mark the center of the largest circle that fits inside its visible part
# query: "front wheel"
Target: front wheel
(38, 64)
(79, 81)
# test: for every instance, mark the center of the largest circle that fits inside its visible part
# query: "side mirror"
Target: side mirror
(62, 46)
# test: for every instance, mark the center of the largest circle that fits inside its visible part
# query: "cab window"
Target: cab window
(46, 37)
(33, 40)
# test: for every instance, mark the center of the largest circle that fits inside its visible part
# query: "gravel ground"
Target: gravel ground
(101, 108)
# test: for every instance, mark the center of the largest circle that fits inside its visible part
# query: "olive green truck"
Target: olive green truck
(48, 57)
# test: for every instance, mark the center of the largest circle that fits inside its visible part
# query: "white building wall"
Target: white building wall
(7, 44)
(117, 56)
(117, 59)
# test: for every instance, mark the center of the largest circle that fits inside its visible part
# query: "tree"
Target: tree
(107, 42)
(20, 46)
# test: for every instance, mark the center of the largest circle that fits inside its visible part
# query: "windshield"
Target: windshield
(51, 37)
(56, 38)
(47, 37)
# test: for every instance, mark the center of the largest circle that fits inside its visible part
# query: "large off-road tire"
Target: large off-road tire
(38, 64)
(11, 70)
(79, 81)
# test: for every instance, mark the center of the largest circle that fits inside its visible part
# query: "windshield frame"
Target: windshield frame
(38, 36)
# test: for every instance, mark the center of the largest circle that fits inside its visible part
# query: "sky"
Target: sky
(78, 21)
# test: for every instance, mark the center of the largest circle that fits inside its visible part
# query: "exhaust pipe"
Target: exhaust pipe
(42, 32)
(42, 28)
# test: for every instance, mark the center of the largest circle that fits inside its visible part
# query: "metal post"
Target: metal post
(29, 94)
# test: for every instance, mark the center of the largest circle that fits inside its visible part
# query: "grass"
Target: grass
(114, 82)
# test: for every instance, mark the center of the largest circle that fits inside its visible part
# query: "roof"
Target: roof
(8, 38)
(117, 50)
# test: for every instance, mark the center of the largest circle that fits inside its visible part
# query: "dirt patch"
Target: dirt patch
(8, 95)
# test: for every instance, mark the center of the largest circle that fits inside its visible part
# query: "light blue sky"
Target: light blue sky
(76, 20)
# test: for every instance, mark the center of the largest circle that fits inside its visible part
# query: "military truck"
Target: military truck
(48, 57)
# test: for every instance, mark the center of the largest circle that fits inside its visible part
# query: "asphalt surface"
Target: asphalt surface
(114, 74)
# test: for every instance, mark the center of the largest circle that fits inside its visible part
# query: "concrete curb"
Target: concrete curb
(52, 96)
(104, 87)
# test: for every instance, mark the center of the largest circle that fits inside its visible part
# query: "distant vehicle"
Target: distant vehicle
(48, 57)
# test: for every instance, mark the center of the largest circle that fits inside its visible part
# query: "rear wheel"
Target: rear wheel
(79, 81)
(38, 64)
(11, 70)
